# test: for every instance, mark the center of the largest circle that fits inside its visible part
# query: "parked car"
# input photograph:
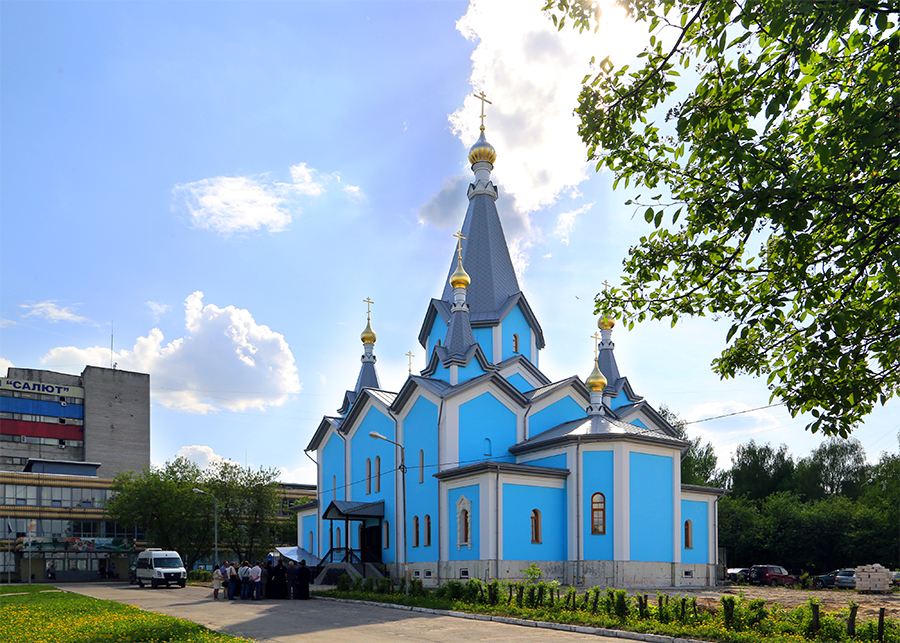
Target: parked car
(895, 580)
(737, 574)
(846, 579)
(771, 575)
(825, 580)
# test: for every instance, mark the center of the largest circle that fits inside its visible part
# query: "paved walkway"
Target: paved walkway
(318, 620)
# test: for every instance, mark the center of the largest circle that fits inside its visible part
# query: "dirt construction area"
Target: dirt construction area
(830, 599)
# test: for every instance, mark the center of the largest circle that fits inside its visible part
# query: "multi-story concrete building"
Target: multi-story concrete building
(100, 416)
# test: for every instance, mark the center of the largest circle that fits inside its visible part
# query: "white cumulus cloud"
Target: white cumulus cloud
(52, 312)
(226, 360)
(231, 205)
(532, 74)
(566, 221)
(5, 364)
(201, 455)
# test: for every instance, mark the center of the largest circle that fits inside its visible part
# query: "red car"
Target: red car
(771, 575)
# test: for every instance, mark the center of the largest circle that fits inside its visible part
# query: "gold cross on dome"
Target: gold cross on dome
(483, 98)
(459, 241)
(410, 356)
(605, 285)
(596, 337)
(368, 302)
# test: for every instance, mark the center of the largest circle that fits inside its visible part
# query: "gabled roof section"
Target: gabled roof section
(440, 354)
(520, 361)
(485, 257)
(596, 428)
(326, 423)
(353, 510)
(574, 381)
(628, 411)
(436, 387)
(502, 467)
(382, 398)
(615, 388)
(437, 309)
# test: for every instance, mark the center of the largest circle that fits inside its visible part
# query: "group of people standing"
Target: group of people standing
(256, 582)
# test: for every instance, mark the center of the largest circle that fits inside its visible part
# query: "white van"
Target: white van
(159, 567)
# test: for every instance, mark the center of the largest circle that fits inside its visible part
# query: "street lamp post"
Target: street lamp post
(377, 436)
(216, 560)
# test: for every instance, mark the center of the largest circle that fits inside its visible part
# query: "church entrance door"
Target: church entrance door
(371, 545)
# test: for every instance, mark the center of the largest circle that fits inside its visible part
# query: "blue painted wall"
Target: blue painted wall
(485, 337)
(518, 502)
(308, 524)
(555, 461)
(597, 472)
(696, 512)
(650, 484)
(41, 407)
(332, 465)
(519, 382)
(485, 417)
(515, 323)
(561, 411)
(420, 433)
(438, 332)
(362, 447)
(471, 370)
(464, 553)
(619, 400)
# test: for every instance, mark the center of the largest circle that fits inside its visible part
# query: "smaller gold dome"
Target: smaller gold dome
(368, 336)
(596, 381)
(606, 322)
(482, 150)
(460, 278)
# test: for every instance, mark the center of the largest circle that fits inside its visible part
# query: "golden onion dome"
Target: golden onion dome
(368, 336)
(460, 278)
(596, 381)
(482, 151)
(606, 322)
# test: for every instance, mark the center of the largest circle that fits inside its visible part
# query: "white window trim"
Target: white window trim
(463, 504)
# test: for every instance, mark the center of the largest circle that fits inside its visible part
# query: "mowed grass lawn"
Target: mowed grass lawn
(41, 614)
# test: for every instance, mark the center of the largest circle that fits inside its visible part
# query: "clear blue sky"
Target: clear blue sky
(219, 185)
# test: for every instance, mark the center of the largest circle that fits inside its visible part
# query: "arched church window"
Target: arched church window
(415, 531)
(487, 447)
(421, 466)
(337, 538)
(438, 342)
(598, 514)
(688, 534)
(427, 530)
(368, 475)
(311, 550)
(463, 523)
(386, 535)
(377, 473)
(535, 525)
(515, 343)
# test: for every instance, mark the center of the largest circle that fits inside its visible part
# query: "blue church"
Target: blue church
(480, 465)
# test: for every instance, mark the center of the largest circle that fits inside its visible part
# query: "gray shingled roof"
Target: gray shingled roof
(599, 427)
(485, 256)
(368, 377)
(459, 334)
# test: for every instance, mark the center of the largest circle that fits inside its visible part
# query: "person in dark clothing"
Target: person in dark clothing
(278, 581)
(304, 577)
(270, 580)
(291, 574)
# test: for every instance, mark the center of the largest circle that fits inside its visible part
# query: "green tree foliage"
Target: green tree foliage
(162, 500)
(248, 506)
(758, 471)
(812, 519)
(776, 159)
(698, 464)
(175, 517)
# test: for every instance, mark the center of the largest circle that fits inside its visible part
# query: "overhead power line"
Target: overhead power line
(719, 417)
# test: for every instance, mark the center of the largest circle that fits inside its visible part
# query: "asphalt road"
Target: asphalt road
(317, 620)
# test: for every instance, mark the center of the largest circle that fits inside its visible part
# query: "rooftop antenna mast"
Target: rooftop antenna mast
(112, 328)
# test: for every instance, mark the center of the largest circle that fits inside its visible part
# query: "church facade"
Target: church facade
(498, 467)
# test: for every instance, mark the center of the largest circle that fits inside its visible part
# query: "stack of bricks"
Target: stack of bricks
(873, 578)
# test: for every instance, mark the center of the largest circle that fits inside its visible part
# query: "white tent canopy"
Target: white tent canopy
(297, 554)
